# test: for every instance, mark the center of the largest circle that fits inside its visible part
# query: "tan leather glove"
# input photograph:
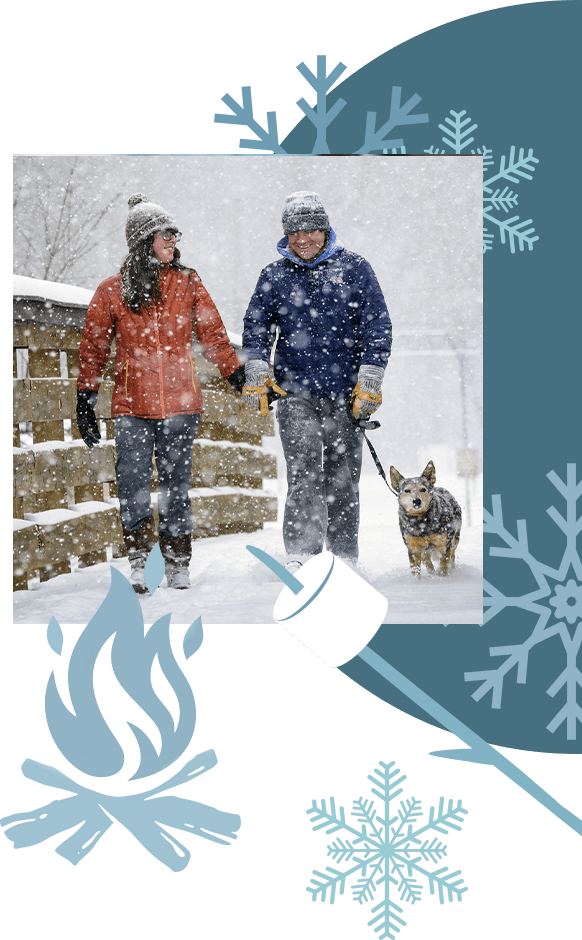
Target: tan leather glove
(259, 387)
(366, 397)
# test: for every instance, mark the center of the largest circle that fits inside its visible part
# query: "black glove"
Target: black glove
(237, 379)
(86, 420)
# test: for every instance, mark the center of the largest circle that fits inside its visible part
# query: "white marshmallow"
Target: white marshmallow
(336, 614)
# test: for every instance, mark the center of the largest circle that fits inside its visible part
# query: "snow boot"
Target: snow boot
(177, 551)
(139, 543)
(293, 565)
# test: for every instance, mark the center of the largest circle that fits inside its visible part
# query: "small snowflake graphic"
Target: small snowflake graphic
(392, 852)
(511, 170)
(558, 609)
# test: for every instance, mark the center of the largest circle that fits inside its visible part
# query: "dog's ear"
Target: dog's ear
(429, 473)
(395, 477)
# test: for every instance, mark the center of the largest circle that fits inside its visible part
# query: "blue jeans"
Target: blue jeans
(170, 440)
(323, 452)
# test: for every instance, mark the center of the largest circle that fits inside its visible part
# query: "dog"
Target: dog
(430, 520)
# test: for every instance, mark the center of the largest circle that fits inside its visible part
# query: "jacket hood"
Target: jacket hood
(333, 245)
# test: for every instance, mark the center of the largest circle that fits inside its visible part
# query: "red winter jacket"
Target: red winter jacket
(155, 375)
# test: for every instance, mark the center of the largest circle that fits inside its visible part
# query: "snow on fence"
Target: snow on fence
(65, 506)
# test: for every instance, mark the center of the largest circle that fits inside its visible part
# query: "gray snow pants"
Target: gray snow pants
(323, 451)
(171, 440)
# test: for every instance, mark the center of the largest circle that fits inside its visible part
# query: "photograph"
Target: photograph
(215, 352)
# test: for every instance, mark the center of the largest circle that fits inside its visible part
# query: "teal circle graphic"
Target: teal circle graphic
(513, 72)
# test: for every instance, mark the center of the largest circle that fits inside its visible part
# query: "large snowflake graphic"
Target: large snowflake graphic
(375, 138)
(498, 198)
(394, 851)
(556, 603)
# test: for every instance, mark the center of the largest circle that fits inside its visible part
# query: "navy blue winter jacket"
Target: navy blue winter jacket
(328, 317)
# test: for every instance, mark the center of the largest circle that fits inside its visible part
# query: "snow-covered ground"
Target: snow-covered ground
(433, 385)
(230, 586)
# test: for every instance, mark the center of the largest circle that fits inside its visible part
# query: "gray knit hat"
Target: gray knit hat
(303, 212)
(144, 218)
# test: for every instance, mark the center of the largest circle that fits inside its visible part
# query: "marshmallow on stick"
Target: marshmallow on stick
(328, 607)
(335, 614)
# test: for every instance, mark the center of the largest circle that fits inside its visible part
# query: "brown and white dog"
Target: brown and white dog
(430, 520)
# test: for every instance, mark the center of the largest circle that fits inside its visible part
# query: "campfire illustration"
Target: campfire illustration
(86, 740)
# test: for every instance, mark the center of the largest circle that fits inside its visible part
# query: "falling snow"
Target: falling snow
(426, 252)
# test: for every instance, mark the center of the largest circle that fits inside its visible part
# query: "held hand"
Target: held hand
(260, 389)
(258, 397)
(237, 379)
(86, 420)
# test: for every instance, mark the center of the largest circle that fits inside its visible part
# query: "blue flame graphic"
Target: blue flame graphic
(84, 737)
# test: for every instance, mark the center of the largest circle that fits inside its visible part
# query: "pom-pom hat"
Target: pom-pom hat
(303, 212)
(145, 218)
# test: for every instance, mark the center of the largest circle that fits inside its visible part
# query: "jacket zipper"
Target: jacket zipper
(160, 370)
(193, 373)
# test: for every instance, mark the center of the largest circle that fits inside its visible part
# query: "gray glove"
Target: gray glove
(367, 395)
(259, 386)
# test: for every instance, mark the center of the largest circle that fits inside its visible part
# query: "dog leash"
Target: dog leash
(363, 425)
(366, 425)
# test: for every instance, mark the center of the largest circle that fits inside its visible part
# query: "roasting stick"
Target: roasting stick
(323, 621)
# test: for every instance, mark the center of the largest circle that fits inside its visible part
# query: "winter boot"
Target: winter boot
(295, 560)
(139, 543)
(177, 551)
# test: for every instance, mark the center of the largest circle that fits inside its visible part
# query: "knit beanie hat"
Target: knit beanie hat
(303, 212)
(144, 218)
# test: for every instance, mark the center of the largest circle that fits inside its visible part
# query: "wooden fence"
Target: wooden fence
(65, 508)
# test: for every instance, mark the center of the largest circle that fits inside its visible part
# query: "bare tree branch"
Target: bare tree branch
(55, 225)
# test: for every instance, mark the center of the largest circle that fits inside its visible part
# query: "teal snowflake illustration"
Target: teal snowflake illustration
(568, 601)
(498, 198)
(558, 608)
(495, 200)
(375, 138)
(387, 854)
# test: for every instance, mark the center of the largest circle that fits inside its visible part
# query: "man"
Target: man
(322, 311)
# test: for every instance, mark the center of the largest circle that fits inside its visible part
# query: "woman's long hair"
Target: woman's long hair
(140, 275)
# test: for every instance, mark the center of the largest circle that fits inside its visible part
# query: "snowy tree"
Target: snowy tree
(58, 218)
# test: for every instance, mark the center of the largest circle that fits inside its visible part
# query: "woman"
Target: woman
(152, 307)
